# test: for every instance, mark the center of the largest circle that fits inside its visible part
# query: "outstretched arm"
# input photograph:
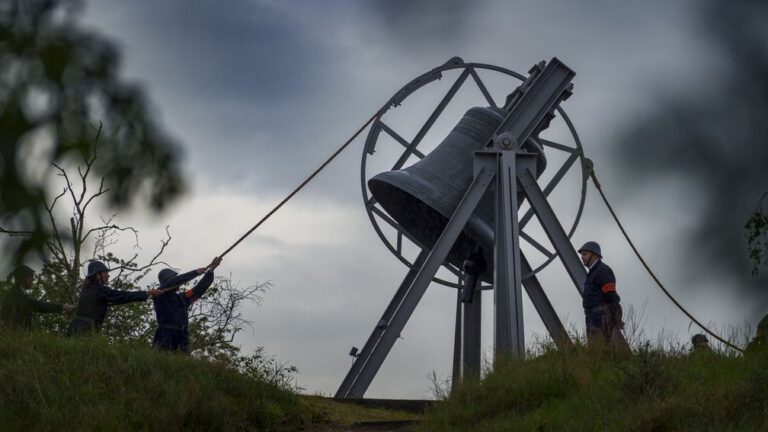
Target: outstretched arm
(180, 279)
(114, 296)
(40, 306)
(202, 286)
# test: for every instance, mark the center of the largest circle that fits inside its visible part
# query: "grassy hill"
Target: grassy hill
(55, 383)
(651, 390)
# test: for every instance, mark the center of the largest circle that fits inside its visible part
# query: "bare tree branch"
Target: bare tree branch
(57, 238)
(129, 269)
(111, 227)
(14, 233)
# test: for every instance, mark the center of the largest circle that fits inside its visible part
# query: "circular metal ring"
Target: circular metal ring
(468, 70)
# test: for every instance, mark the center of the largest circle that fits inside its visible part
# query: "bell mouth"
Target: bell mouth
(400, 194)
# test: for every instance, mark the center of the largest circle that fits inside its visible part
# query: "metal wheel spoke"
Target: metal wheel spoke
(551, 185)
(431, 120)
(544, 251)
(558, 146)
(451, 268)
(389, 131)
(482, 88)
(560, 173)
(384, 216)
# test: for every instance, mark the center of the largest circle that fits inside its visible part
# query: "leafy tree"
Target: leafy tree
(215, 319)
(56, 81)
(757, 237)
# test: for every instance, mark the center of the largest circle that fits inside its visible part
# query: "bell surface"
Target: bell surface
(424, 196)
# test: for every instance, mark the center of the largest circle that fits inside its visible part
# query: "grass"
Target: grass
(54, 383)
(345, 414)
(51, 383)
(650, 390)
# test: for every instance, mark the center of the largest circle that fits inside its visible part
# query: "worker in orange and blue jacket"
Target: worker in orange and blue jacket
(602, 308)
(172, 307)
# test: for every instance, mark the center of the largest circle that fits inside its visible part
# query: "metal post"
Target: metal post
(471, 335)
(373, 340)
(509, 337)
(457, 342)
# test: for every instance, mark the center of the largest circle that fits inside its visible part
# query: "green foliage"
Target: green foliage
(581, 390)
(89, 383)
(261, 366)
(52, 383)
(57, 81)
(214, 320)
(757, 237)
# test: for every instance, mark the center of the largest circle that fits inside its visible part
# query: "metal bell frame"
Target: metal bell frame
(511, 170)
(379, 125)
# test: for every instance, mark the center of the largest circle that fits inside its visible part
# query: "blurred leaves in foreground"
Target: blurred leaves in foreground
(715, 140)
(60, 87)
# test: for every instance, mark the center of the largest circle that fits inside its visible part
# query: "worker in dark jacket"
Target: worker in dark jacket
(601, 303)
(96, 297)
(18, 307)
(172, 307)
(700, 344)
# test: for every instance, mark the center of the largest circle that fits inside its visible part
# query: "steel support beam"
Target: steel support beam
(544, 308)
(552, 228)
(363, 356)
(360, 383)
(457, 340)
(509, 336)
(471, 335)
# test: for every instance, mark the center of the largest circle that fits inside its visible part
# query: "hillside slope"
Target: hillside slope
(651, 390)
(55, 383)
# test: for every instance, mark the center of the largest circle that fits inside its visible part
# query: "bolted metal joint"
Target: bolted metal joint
(506, 141)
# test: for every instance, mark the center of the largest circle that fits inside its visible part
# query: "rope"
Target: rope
(304, 183)
(653, 275)
(592, 175)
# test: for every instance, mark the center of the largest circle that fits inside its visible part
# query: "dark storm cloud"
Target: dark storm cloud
(231, 80)
(424, 22)
(718, 143)
(239, 50)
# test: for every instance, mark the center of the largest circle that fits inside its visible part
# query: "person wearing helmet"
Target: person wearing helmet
(602, 308)
(700, 344)
(172, 307)
(96, 297)
(18, 308)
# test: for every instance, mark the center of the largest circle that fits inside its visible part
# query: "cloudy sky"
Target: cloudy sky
(260, 92)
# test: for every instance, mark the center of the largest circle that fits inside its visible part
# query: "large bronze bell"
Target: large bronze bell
(423, 196)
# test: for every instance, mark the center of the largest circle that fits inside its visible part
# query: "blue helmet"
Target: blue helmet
(165, 275)
(593, 247)
(699, 339)
(95, 267)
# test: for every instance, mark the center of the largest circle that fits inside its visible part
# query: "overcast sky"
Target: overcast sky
(260, 92)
